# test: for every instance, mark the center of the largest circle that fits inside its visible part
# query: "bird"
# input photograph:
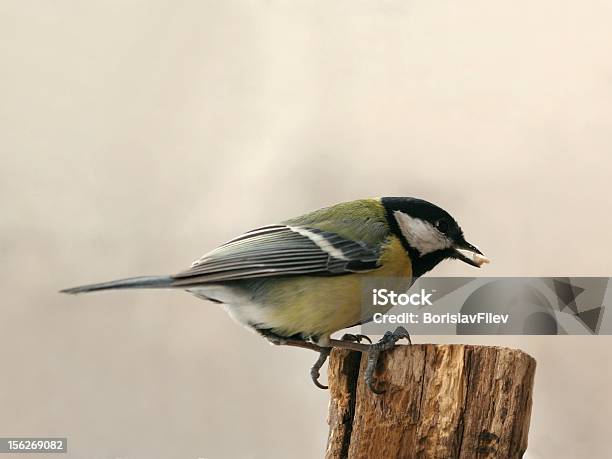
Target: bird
(299, 281)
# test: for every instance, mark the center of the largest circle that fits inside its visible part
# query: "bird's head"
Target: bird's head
(429, 234)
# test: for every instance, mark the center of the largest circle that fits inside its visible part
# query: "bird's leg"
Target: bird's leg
(351, 342)
(281, 341)
(314, 371)
(373, 350)
(350, 345)
(323, 353)
(387, 342)
(355, 338)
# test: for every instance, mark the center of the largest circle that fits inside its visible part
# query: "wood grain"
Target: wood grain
(441, 401)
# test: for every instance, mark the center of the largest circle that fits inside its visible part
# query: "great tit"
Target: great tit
(299, 281)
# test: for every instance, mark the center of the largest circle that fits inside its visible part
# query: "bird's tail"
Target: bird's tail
(132, 282)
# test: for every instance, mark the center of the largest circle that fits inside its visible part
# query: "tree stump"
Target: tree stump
(441, 401)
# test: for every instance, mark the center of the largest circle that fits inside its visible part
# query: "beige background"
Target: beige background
(136, 135)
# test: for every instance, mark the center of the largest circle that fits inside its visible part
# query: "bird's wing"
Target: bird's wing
(280, 250)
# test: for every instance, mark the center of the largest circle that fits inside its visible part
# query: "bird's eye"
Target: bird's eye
(442, 226)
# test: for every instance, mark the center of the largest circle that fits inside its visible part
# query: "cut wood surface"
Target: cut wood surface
(441, 401)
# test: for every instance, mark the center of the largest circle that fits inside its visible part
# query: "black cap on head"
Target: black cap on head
(446, 238)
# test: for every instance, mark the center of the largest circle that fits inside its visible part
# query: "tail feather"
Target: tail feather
(132, 282)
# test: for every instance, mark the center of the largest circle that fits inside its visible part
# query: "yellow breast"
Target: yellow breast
(321, 305)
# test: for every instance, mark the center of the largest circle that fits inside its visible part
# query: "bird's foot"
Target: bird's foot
(356, 338)
(387, 342)
(278, 340)
(352, 342)
(314, 371)
(324, 354)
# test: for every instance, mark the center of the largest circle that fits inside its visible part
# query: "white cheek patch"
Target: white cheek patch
(421, 234)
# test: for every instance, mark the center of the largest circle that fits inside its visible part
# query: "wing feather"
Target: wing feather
(281, 250)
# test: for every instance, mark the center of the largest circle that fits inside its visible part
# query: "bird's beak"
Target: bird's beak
(469, 254)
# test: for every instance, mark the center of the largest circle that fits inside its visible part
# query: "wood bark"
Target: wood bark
(441, 401)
